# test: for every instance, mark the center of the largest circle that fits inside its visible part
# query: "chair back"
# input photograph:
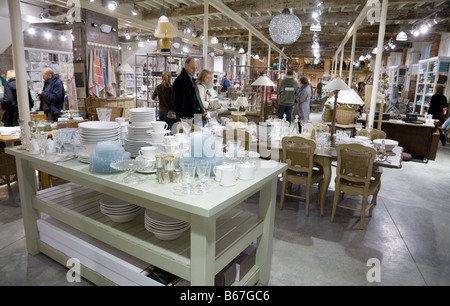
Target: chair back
(377, 134)
(355, 163)
(362, 132)
(237, 134)
(298, 153)
(91, 108)
(237, 118)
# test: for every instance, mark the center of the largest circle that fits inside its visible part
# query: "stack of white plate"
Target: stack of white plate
(84, 157)
(142, 114)
(164, 227)
(133, 146)
(118, 210)
(93, 132)
(138, 133)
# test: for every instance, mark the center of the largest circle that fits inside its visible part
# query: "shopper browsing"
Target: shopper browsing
(9, 101)
(288, 88)
(204, 83)
(187, 98)
(164, 93)
(437, 105)
(302, 97)
(52, 96)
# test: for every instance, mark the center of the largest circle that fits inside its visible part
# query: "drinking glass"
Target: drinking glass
(188, 174)
(186, 124)
(358, 126)
(369, 128)
(42, 142)
(58, 137)
(203, 173)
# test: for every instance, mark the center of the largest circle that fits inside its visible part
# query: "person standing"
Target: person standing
(311, 97)
(164, 93)
(52, 96)
(9, 101)
(437, 104)
(187, 98)
(225, 84)
(302, 98)
(204, 83)
(3, 78)
(286, 94)
(319, 90)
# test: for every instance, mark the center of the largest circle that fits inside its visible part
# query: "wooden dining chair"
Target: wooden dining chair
(354, 177)
(91, 108)
(298, 154)
(236, 134)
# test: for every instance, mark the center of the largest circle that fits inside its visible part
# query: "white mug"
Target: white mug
(148, 152)
(217, 170)
(158, 137)
(159, 126)
(247, 171)
(228, 177)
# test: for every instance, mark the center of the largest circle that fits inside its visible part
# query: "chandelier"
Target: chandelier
(285, 28)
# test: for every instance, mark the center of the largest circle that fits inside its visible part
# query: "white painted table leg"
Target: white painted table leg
(26, 178)
(203, 251)
(267, 200)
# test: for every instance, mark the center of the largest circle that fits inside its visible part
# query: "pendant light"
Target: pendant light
(165, 31)
(214, 39)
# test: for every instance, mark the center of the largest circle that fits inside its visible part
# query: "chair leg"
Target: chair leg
(283, 191)
(335, 202)
(363, 211)
(308, 189)
(319, 198)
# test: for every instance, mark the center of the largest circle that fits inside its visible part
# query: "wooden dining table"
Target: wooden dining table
(323, 158)
(13, 139)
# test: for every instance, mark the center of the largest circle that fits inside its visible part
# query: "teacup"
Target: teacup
(120, 120)
(228, 177)
(172, 148)
(150, 163)
(217, 170)
(247, 171)
(158, 137)
(168, 140)
(159, 126)
(148, 152)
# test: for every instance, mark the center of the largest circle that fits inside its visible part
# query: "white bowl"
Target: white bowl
(364, 138)
(388, 143)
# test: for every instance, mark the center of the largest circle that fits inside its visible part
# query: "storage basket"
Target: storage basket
(328, 115)
(8, 172)
(345, 115)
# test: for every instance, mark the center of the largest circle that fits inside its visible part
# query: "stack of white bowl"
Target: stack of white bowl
(118, 210)
(123, 128)
(164, 227)
(93, 132)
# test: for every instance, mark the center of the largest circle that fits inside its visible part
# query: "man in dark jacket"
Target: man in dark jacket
(187, 98)
(52, 96)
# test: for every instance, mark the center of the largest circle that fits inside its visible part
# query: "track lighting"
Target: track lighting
(135, 10)
(112, 5)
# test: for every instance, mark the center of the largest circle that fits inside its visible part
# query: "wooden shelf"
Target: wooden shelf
(79, 207)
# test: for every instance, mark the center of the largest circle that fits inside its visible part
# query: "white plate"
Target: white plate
(98, 125)
(160, 217)
(147, 171)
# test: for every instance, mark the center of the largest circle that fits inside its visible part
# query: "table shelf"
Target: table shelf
(78, 206)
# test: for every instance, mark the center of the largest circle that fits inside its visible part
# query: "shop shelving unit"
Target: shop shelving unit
(37, 59)
(397, 76)
(432, 72)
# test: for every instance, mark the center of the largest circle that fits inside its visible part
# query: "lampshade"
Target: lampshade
(263, 81)
(164, 29)
(125, 68)
(336, 84)
(349, 97)
(242, 101)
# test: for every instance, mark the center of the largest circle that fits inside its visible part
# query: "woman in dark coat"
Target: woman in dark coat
(9, 101)
(437, 105)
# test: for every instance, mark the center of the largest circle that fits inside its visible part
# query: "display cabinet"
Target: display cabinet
(432, 72)
(397, 75)
(37, 59)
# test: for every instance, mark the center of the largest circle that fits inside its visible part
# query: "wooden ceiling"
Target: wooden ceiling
(336, 19)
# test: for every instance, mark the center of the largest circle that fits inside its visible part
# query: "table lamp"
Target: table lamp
(263, 81)
(165, 31)
(335, 85)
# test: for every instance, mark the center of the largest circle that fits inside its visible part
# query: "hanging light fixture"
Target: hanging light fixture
(214, 39)
(135, 10)
(402, 36)
(112, 5)
(285, 28)
(241, 50)
(315, 27)
(362, 58)
(165, 31)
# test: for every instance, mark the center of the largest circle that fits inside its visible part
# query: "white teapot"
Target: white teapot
(218, 170)
(247, 171)
(229, 176)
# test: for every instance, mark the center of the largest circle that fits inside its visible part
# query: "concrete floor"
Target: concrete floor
(409, 234)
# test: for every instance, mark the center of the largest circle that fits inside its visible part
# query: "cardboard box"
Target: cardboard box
(245, 261)
(227, 276)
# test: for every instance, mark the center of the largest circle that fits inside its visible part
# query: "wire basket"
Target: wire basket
(345, 115)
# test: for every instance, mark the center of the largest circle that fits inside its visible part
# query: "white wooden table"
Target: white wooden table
(217, 233)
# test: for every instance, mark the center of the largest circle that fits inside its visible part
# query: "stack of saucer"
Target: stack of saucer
(118, 210)
(164, 227)
(141, 116)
